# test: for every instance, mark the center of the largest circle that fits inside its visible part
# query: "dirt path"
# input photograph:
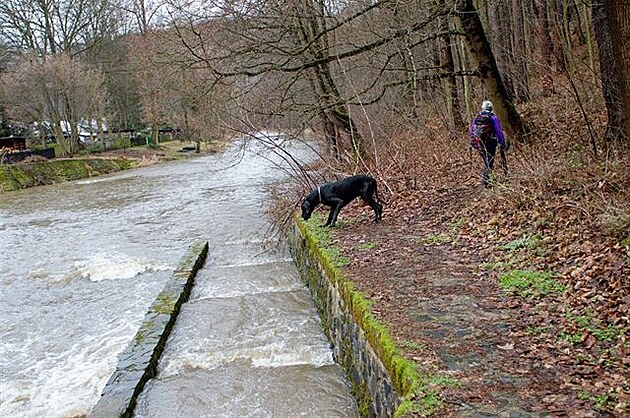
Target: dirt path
(449, 315)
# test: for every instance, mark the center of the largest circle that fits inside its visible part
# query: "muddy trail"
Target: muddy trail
(451, 317)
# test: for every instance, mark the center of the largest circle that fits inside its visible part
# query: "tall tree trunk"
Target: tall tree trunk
(610, 74)
(521, 84)
(487, 69)
(501, 41)
(155, 134)
(450, 86)
(311, 29)
(99, 127)
(588, 34)
(70, 117)
(618, 17)
(545, 46)
(554, 13)
(462, 62)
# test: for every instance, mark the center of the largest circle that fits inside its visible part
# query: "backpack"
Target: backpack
(481, 129)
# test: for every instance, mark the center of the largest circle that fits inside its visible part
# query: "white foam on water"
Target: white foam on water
(222, 290)
(112, 266)
(248, 279)
(94, 180)
(317, 358)
(65, 384)
(259, 262)
(274, 354)
(267, 330)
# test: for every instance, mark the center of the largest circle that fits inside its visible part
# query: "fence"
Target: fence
(17, 156)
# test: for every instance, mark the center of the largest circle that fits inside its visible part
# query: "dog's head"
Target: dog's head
(307, 209)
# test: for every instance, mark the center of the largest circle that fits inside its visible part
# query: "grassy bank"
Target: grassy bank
(38, 173)
(30, 174)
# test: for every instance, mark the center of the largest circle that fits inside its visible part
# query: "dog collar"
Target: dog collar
(319, 193)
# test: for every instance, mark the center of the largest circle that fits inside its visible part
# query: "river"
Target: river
(82, 261)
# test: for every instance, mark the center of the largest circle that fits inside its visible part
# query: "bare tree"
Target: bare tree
(487, 68)
(348, 54)
(50, 27)
(611, 82)
(544, 45)
(143, 15)
(450, 84)
(59, 91)
(618, 23)
(520, 77)
(152, 79)
(312, 31)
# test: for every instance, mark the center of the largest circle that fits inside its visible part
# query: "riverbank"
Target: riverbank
(518, 293)
(42, 172)
(30, 174)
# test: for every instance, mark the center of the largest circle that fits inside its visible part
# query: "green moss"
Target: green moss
(459, 223)
(412, 345)
(417, 391)
(193, 260)
(604, 402)
(364, 400)
(537, 330)
(429, 405)
(579, 323)
(140, 337)
(24, 175)
(436, 239)
(323, 241)
(369, 245)
(164, 304)
(527, 241)
(530, 283)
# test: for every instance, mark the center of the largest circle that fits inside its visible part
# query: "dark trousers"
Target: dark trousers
(487, 150)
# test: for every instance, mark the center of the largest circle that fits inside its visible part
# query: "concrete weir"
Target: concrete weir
(137, 363)
(360, 344)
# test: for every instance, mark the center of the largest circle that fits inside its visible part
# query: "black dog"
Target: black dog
(339, 194)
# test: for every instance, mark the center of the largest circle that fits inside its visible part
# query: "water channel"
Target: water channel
(81, 262)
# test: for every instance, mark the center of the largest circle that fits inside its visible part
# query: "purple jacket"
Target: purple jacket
(496, 126)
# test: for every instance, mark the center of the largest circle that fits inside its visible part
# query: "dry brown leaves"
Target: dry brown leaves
(576, 208)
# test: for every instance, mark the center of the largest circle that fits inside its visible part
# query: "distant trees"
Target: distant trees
(91, 33)
(152, 79)
(51, 27)
(172, 90)
(358, 72)
(57, 91)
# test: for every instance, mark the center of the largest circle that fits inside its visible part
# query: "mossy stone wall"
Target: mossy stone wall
(343, 316)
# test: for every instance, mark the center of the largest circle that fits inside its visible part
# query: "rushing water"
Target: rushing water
(82, 261)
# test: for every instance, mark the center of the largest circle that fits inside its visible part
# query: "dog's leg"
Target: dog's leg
(334, 212)
(378, 209)
(378, 212)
